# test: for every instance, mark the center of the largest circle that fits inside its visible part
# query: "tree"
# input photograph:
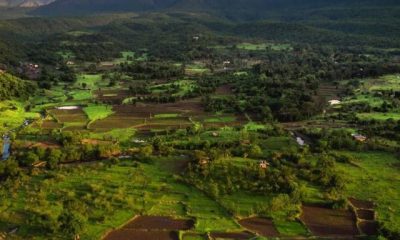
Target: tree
(53, 158)
(71, 223)
(30, 158)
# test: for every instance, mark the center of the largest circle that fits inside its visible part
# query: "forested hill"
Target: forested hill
(78, 7)
(12, 87)
(231, 8)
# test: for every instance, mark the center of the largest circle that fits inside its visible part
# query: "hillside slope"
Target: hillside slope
(12, 87)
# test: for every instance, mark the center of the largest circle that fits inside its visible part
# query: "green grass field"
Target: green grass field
(264, 46)
(167, 115)
(13, 114)
(97, 112)
(376, 178)
(91, 80)
(379, 116)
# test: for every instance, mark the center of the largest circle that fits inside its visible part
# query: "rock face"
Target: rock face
(24, 3)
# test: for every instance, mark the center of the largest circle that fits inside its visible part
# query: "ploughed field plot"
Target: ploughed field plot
(329, 91)
(159, 223)
(224, 90)
(262, 226)
(232, 235)
(326, 222)
(149, 116)
(131, 234)
(112, 96)
(151, 228)
(74, 119)
(377, 169)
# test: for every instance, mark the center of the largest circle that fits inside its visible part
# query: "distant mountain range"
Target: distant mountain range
(229, 7)
(24, 3)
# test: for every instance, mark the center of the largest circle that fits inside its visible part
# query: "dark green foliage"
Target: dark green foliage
(12, 87)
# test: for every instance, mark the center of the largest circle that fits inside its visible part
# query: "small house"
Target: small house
(39, 164)
(215, 134)
(196, 38)
(69, 63)
(264, 164)
(359, 137)
(227, 62)
(334, 102)
(204, 161)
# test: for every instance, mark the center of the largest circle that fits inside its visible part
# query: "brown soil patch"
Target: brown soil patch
(237, 235)
(76, 115)
(328, 222)
(362, 204)
(49, 124)
(159, 223)
(366, 214)
(45, 145)
(370, 228)
(142, 116)
(94, 141)
(131, 234)
(329, 90)
(224, 90)
(262, 226)
(112, 96)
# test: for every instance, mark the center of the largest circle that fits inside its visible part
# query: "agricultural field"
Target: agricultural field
(156, 126)
(381, 172)
(264, 46)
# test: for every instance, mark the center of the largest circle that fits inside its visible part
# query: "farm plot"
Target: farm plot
(89, 81)
(324, 222)
(224, 90)
(158, 116)
(231, 235)
(129, 234)
(68, 116)
(378, 169)
(196, 68)
(329, 91)
(112, 96)
(262, 226)
(160, 223)
(71, 120)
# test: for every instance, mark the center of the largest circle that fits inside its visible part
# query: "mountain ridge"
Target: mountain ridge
(24, 3)
(79, 7)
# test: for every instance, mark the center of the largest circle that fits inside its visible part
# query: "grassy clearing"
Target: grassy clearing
(291, 228)
(264, 46)
(184, 86)
(122, 135)
(364, 98)
(379, 116)
(387, 82)
(13, 114)
(91, 80)
(66, 55)
(97, 112)
(196, 68)
(81, 95)
(376, 179)
(279, 144)
(167, 115)
(222, 119)
(253, 126)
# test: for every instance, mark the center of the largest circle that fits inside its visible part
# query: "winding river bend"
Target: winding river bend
(6, 147)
